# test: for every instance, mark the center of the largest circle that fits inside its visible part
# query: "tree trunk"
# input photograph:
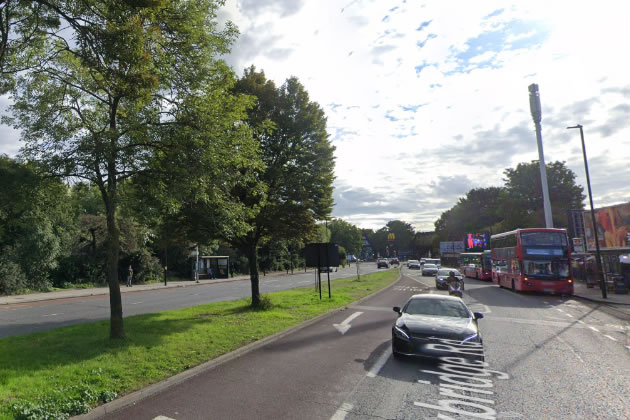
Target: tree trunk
(115, 301)
(253, 275)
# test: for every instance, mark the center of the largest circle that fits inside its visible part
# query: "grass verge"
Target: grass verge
(64, 372)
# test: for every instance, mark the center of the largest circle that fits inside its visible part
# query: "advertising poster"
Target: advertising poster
(476, 241)
(613, 227)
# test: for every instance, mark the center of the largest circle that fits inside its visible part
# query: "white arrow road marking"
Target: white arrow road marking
(345, 325)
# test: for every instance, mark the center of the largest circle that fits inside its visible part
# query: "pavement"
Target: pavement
(97, 291)
(594, 294)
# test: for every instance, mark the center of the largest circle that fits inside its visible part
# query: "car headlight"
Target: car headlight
(401, 333)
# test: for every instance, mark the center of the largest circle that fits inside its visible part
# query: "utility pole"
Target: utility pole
(536, 110)
(600, 271)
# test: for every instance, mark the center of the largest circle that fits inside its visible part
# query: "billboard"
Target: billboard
(476, 241)
(456, 247)
(613, 226)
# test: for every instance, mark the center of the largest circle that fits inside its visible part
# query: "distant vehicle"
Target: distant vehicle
(476, 265)
(394, 261)
(422, 261)
(442, 275)
(425, 320)
(435, 261)
(535, 260)
(327, 269)
(429, 269)
(382, 263)
(414, 265)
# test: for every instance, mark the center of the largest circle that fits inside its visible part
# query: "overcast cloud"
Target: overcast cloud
(428, 99)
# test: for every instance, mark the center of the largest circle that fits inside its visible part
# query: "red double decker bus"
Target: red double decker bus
(536, 260)
(476, 265)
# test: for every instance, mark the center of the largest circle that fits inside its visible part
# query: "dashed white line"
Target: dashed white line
(593, 328)
(379, 363)
(569, 315)
(559, 310)
(162, 418)
(570, 348)
(628, 347)
(342, 411)
(609, 337)
(581, 322)
(135, 303)
(52, 314)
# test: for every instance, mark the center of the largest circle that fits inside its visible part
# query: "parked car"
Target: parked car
(382, 263)
(327, 269)
(414, 265)
(426, 319)
(442, 275)
(429, 269)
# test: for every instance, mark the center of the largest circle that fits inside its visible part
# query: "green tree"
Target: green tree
(404, 235)
(298, 166)
(35, 226)
(112, 87)
(522, 201)
(346, 235)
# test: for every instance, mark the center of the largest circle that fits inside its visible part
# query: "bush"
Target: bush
(12, 279)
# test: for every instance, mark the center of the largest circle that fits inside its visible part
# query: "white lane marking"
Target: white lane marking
(52, 314)
(554, 317)
(581, 322)
(593, 328)
(559, 310)
(420, 381)
(162, 418)
(379, 363)
(628, 347)
(135, 303)
(545, 302)
(569, 315)
(570, 348)
(342, 411)
(345, 324)
(609, 337)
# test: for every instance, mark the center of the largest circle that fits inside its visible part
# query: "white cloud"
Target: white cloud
(468, 64)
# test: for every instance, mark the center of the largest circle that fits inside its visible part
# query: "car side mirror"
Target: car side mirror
(397, 309)
(478, 315)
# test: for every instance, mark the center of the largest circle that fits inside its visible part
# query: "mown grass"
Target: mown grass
(64, 372)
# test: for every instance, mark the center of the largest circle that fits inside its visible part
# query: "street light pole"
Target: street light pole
(600, 272)
(536, 110)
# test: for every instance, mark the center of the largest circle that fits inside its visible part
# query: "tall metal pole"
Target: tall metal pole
(600, 271)
(536, 110)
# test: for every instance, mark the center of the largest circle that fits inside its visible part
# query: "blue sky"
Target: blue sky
(426, 100)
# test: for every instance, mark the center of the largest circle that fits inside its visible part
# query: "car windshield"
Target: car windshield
(446, 272)
(437, 307)
(430, 266)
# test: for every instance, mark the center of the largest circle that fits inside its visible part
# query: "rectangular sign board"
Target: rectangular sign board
(613, 226)
(321, 255)
(456, 247)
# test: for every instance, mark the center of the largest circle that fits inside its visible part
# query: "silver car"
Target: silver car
(429, 269)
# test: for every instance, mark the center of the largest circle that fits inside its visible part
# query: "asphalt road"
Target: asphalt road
(24, 318)
(547, 357)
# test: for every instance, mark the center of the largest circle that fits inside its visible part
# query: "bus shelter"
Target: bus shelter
(214, 267)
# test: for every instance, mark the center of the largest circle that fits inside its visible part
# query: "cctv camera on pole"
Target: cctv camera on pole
(535, 108)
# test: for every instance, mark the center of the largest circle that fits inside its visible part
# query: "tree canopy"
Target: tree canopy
(298, 165)
(517, 204)
(116, 86)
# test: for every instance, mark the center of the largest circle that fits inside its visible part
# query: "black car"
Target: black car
(428, 324)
